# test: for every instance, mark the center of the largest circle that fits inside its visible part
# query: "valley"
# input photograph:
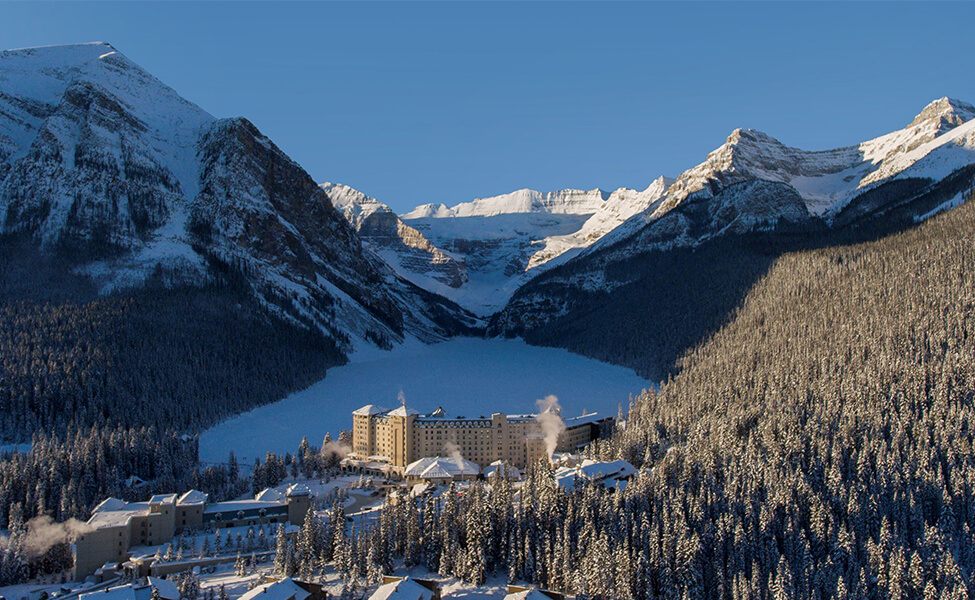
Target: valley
(464, 376)
(786, 336)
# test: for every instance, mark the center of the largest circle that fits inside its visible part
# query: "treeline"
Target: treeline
(308, 462)
(651, 307)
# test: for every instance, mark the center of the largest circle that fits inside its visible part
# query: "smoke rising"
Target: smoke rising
(43, 533)
(550, 418)
(451, 449)
(338, 449)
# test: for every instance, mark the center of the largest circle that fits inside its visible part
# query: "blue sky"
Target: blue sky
(444, 102)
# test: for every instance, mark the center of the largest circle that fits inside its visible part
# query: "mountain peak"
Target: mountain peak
(64, 55)
(749, 135)
(951, 112)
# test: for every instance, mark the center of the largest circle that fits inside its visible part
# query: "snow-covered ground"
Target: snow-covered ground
(466, 376)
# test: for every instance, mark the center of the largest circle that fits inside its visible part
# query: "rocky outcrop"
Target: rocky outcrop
(106, 162)
(402, 246)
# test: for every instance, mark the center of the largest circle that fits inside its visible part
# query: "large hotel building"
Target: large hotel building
(392, 439)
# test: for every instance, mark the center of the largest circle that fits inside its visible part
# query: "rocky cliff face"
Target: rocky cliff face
(104, 163)
(404, 248)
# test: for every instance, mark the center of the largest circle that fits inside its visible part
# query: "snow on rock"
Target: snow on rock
(99, 157)
(937, 142)
(506, 240)
(404, 248)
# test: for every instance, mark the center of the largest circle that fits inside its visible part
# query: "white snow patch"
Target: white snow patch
(954, 202)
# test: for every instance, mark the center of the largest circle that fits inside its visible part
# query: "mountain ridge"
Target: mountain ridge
(103, 160)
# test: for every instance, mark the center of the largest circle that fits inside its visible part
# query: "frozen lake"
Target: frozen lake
(466, 376)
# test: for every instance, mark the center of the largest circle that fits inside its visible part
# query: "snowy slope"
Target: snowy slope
(933, 145)
(503, 241)
(100, 158)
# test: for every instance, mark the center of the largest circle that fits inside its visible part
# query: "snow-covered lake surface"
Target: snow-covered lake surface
(466, 376)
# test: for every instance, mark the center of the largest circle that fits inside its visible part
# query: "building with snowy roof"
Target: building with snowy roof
(135, 591)
(406, 588)
(440, 469)
(385, 442)
(500, 468)
(284, 589)
(612, 474)
(116, 526)
(517, 592)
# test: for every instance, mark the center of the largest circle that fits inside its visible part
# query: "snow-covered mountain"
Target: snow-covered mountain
(825, 180)
(402, 247)
(754, 183)
(496, 243)
(750, 182)
(102, 160)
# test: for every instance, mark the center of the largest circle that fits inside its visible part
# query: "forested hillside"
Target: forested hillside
(178, 359)
(820, 444)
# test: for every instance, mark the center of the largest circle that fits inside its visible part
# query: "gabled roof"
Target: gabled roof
(601, 470)
(435, 471)
(163, 499)
(369, 410)
(431, 467)
(285, 589)
(404, 589)
(298, 489)
(500, 467)
(269, 495)
(167, 589)
(109, 504)
(609, 474)
(402, 411)
(192, 497)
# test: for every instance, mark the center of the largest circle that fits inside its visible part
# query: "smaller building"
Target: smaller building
(612, 474)
(135, 591)
(116, 526)
(282, 589)
(517, 592)
(406, 588)
(440, 469)
(500, 468)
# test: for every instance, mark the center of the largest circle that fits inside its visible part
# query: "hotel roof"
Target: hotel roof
(191, 498)
(403, 411)
(285, 589)
(439, 467)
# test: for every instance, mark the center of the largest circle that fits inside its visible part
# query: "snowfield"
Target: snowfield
(467, 376)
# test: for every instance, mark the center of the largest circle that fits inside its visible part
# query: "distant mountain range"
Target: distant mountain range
(752, 182)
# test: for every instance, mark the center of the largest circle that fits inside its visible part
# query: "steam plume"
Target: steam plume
(454, 452)
(340, 450)
(551, 421)
(43, 533)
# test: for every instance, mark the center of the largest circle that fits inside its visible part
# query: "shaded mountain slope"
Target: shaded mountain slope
(819, 443)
